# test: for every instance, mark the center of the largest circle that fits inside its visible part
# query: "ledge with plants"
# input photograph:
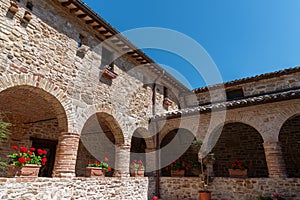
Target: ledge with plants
(97, 168)
(137, 168)
(26, 162)
(238, 169)
(178, 168)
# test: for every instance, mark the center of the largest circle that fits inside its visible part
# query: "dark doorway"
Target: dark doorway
(50, 147)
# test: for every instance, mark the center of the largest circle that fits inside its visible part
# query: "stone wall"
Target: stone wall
(76, 188)
(263, 86)
(229, 188)
(240, 142)
(47, 46)
(21, 135)
(290, 141)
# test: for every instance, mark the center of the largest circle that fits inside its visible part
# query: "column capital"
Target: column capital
(69, 134)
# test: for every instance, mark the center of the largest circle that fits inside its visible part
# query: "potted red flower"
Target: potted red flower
(137, 168)
(97, 168)
(26, 162)
(178, 168)
(238, 169)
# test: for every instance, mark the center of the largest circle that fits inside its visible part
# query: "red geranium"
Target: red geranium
(25, 156)
(40, 151)
(137, 165)
(105, 159)
(103, 164)
(21, 160)
(239, 165)
(23, 149)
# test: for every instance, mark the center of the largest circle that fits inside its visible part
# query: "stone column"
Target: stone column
(275, 161)
(122, 161)
(66, 155)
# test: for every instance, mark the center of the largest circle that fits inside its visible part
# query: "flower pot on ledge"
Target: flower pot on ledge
(14, 8)
(109, 74)
(27, 16)
(238, 173)
(95, 172)
(177, 173)
(28, 170)
(205, 195)
(167, 102)
(137, 173)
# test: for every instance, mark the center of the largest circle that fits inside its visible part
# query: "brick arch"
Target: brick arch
(58, 97)
(178, 124)
(174, 146)
(146, 136)
(215, 129)
(108, 115)
(243, 142)
(289, 137)
(285, 113)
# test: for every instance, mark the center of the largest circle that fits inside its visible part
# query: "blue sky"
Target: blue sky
(244, 38)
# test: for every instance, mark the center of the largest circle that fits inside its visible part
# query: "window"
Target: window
(235, 94)
(29, 5)
(107, 59)
(80, 40)
(166, 92)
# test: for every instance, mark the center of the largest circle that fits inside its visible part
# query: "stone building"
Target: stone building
(72, 84)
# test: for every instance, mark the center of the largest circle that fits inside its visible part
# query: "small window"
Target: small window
(80, 40)
(107, 59)
(235, 94)
(29, 5)
(166, 92)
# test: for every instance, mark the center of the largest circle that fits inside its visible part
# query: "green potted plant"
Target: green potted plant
(4, 131)
(26, 162)
(238, 169)
(178, 168)
(97, 168)
(205, 176)
(274, 196)
(137, 168)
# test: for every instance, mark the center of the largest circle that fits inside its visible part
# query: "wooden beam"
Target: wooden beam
(74, 10)
(89, 21)
(81, 16)
(66, 3)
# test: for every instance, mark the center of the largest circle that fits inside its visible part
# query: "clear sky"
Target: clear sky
(243, 37)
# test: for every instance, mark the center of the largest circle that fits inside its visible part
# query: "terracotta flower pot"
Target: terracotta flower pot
(27, 16)
(238, 173)
(95, 172)
(177, 173)
(109, 74)
(29, 170)
(205, 195)
(13, 7)
(137, 173)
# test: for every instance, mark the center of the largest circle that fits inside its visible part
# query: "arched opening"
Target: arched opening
(138, 148)
(37, 118)
(180, 144)
(289, 137)
(98, 138)
(241, 142)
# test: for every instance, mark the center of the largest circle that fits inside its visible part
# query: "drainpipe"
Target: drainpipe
(157, 180)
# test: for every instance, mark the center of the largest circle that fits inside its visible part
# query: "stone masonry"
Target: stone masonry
(53, 87)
